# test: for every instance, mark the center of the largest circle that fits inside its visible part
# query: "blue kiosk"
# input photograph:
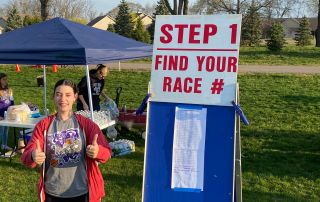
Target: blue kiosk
(191, 123)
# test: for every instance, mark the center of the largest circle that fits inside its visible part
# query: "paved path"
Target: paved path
(242, 68)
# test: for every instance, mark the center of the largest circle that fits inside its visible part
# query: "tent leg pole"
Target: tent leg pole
(89, 92)
(45, 110)
(119, 66)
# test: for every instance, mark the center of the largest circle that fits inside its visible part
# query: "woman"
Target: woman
(68, 147)
(6, 100)
(97, 83)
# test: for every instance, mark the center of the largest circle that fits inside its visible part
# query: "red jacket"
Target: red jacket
(89, 128)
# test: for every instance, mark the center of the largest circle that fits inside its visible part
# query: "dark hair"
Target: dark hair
(3, 75)
(101, 66)
(66, 82)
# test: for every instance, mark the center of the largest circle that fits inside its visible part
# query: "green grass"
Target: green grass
(280, 147)
(290, 55)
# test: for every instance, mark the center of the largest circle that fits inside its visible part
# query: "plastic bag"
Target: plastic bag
(110, 105)
(112, 132)
(18, 112)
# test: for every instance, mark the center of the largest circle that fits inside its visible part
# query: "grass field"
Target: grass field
(290, 55)
(280, 149)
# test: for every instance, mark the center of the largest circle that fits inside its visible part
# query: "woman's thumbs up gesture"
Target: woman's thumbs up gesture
(93, 149)
(37, 155)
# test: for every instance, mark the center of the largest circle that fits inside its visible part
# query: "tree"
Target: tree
(2, 11)
(29, 20)
(133, 7)
(123, 23)
(14, 20)
(161, 9)
(44, 9)
(282, 8)
(149, 9)
(79, 20)
(317, 32)
(178, 9)
(26, 7)
(226, 6)
(267, 8)
(111, 28)
(251, 27)
(72, 9)
(276, 41)
(303, 36)
(140, 33)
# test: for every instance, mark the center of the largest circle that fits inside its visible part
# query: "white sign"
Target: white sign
(195, 59)
(188, 148)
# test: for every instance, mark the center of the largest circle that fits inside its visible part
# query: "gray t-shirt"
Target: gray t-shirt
(65, 174)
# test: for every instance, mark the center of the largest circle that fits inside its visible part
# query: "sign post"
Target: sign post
(191, 121)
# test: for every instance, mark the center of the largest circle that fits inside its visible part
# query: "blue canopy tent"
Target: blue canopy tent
(59, 41)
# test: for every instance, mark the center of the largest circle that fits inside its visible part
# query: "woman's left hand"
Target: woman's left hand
(93, 149)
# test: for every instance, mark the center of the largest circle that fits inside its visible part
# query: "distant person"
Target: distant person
(97, 83)
(6, 100)
(68, 147)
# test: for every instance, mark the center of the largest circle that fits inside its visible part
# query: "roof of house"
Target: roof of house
(313, 22)
(97, 19)
(143, 15)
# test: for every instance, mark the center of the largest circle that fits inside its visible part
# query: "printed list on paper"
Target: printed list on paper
(188, 148)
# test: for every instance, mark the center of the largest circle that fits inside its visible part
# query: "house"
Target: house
(290, 26)
(3, 24)
(145, 19)
(102, 22)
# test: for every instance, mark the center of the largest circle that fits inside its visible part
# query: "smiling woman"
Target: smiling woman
(68, 147)
(64, 97)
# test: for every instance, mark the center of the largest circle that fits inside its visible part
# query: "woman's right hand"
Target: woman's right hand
(37, 155)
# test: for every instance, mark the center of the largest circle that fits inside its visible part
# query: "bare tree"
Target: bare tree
(281, 8)
(25, 7)
(149, 9)
(72, 9)
(179, 8)
(317, 33)
(44, 9)
(78, 10)
(272, 8)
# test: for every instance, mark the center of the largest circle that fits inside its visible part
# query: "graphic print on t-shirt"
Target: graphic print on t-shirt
(5, 98)
(65, 147)
(96, 89)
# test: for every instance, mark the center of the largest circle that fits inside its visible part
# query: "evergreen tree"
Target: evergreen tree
(251, 27)
(14, 20)
(27, 20)
(303, 36)
(140, 33)
(161, 9)
(276, 41)
(123, 23)
(111, 28)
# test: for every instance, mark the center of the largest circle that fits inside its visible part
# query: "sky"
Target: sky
(103, 6)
